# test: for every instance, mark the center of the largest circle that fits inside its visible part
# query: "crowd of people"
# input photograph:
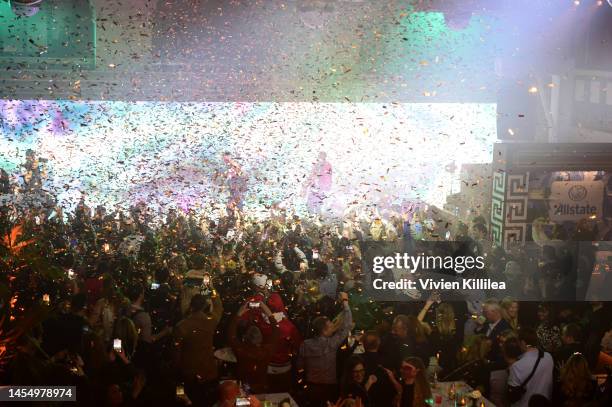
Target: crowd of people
(191, 311)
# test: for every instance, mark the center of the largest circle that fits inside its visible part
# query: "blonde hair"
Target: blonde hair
(505, 307)
(476, 348)
(445, 319)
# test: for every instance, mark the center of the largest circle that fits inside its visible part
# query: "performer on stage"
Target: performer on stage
(236, 181)
(319, 184)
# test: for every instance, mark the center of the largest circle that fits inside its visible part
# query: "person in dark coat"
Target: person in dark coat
(493, 327)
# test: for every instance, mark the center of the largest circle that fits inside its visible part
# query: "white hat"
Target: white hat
(259, 280)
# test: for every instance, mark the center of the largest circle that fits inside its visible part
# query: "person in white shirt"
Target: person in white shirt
(541, 382)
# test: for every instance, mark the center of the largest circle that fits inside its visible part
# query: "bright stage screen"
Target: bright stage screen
(165, 154)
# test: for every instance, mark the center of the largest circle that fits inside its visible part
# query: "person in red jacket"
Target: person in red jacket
(279, 368)
(253, 351)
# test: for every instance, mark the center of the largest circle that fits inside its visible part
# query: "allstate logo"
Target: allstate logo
(577, 193)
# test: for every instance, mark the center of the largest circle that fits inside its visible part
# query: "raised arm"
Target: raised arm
(300, 254)
(272, 342)
(232, 331)
(426, 308)
(217, 306)
(278, 262)
(396, 384)
(347, 322)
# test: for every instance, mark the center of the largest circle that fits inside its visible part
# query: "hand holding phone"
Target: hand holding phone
(117, 345)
